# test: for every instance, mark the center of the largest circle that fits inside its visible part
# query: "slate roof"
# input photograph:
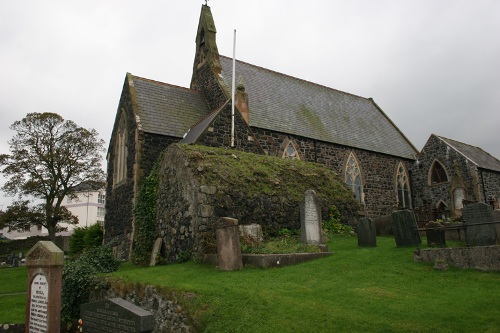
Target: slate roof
(167, 109)
(474, 154)
(282, 103)
(198, 129)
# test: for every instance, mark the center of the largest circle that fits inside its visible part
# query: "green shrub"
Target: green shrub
(80, 277)
(93, 236)
(333, 226)
(77, 241)
(85, 238)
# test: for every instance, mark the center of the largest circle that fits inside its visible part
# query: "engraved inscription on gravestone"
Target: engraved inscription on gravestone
(480, 231)
(310, 216)
(38, 304)
(117, 316)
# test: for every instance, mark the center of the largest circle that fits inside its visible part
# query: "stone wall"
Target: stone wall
(213, 88)
(188, 209)
(167, 311)
(491, 181)
(219, 133)
(484, 258)
(459, 172)
(378, 170)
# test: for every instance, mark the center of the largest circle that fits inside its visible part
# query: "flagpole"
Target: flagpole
(233, 89)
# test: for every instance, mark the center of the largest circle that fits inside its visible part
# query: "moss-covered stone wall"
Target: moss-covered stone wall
(199, 185)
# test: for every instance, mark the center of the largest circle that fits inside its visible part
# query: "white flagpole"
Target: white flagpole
(233, 89)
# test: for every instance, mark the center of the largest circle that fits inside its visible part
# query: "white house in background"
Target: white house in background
(88, 206)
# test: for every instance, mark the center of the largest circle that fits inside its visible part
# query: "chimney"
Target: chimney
(241, 100)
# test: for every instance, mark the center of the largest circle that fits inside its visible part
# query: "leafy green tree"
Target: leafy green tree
(49, 157)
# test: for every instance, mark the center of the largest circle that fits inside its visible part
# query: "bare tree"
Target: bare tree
(49, 157)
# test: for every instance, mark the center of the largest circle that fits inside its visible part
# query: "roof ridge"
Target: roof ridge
(296, 78)
(465, 144)
(164, 83)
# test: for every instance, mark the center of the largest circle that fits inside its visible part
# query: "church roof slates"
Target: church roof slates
(286, 104)
(474, 154)
(167, 109)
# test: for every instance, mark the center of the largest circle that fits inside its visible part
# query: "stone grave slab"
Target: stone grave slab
(477, 233)
(310, 218)
(155, 254)
(367, 235)
(116, 316)
(405, 229)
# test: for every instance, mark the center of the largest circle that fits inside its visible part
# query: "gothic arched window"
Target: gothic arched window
(353, 177)
(291, 152)
(403, 187)
(438, 173)
(120, 159)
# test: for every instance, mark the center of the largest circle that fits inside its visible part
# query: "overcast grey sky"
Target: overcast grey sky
(433, 66)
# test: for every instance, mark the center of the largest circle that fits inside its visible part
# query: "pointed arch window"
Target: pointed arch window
(353, 177)
(120, 160)
(438, 173)
(403, 187)
(291, 152)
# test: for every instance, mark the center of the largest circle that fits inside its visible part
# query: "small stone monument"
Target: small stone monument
(43, 308)
(252, 233)
(405, 229)
(367, 235)
(228, 244)
(115, 315)
(310, 219)
(477, 234)
(155, 254)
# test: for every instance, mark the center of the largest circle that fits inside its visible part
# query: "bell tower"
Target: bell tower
(207, 53)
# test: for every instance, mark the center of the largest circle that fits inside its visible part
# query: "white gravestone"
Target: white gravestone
(38, 304)
(310, 218)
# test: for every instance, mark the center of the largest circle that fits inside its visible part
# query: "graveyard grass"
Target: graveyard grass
(355, 290)
(13, 285)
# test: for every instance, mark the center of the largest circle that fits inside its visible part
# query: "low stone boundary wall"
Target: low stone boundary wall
(484, 258)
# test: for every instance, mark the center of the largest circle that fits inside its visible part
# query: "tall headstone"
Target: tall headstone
(115, 315)
(228, 244)
(405, 229)
(496, 218)
(310, 218)
(367, 235)
(43, 308)
(477, 233)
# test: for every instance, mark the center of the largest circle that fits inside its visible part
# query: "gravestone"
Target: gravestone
(310, 218)
(367, 235)
(43, 308)
(435, 234)
(405, 229)
(155, 254)
(116, 316)
(496, 218)
(251, 234)
(476, 233)
(228, 244)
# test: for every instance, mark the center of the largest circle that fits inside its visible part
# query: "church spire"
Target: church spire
(206, 46)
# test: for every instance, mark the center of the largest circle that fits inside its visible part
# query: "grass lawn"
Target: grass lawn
(355, 290)
(13, 307)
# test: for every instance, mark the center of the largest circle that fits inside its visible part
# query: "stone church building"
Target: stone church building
(275, 114)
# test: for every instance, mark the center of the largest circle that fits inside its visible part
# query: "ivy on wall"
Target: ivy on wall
(145, 219)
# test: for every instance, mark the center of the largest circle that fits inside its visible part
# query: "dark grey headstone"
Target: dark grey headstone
(477, 233)
(405, 229)
(115, 315)
(367, 235)
(496, 218)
